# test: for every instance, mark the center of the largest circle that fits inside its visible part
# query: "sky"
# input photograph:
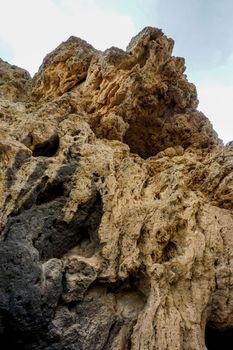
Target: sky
(202, 30)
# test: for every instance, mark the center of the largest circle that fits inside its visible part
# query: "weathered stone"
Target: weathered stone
(13, 82)
(116, 204)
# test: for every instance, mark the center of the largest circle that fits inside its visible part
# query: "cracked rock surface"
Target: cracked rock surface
(116, 203)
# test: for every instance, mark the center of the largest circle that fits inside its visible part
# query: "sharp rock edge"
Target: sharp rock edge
(116, 203)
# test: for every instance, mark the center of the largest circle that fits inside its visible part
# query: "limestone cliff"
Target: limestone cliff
(116, 200)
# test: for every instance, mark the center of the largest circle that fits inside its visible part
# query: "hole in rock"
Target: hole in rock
(48, 148)
(148, 136)
(216, 339)
(140, 140)
(52, 192)
(169, 251)
(159, 125)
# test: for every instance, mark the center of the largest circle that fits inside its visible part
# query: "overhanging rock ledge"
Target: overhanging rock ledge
(116, 200)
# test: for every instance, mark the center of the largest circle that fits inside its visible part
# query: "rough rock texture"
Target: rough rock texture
(116, 200)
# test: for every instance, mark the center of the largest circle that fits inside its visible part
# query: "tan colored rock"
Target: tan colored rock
(63, 69)
(13, 82)
(116, 204)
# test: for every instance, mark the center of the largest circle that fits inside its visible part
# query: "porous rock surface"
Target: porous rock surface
(116, 200)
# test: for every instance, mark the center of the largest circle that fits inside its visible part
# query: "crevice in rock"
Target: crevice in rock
(112, 333)
(79, 82)
(52, 192)
(47, 148)
(169, 252)
(216, 339)
(145, 136)
(56, 237)
(136, 284)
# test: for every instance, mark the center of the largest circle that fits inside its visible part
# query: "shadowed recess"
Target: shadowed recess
(48, 148)
(216, 339)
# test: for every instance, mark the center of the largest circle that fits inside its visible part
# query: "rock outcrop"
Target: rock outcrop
(116, 204)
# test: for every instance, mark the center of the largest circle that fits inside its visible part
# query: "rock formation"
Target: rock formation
(116, 201)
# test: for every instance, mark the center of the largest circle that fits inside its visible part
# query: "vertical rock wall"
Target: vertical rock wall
(116, 200)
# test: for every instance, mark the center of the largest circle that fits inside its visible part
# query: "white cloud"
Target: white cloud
(216, 102)
(33, 28)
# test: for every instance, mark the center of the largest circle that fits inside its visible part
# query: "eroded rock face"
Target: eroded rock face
(116, 203)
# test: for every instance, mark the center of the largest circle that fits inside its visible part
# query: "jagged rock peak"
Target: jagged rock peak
(116, 200)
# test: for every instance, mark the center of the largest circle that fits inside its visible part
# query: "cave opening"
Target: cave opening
(216, 339)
